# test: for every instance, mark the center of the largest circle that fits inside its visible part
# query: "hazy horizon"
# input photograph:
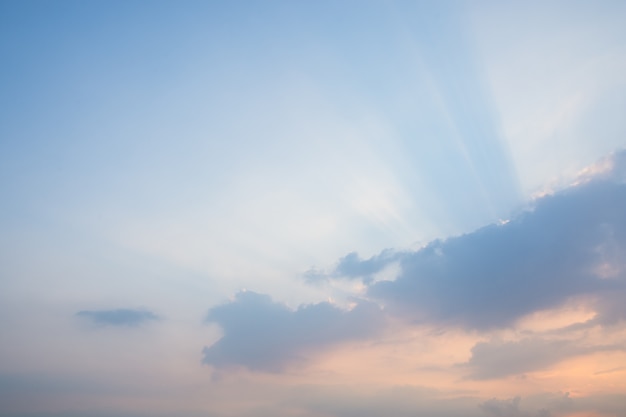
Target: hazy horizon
(312, 209)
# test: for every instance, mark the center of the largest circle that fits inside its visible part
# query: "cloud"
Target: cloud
(556, 404)
(509, 408)
(498, 359)
(352, 267)
(118, 317)
(572, 243)
(413, 401)
(374, 401)
(264, 335)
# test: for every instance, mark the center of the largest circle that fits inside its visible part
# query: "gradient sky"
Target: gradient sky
(312, 209)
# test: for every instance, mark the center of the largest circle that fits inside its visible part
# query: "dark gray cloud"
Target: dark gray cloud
(118, 317)
(499, 359)
(263, 335)
(572, 243)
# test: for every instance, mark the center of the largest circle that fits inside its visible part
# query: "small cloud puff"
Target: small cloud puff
(122, 317)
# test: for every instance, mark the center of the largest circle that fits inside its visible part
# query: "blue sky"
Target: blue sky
(256, 196)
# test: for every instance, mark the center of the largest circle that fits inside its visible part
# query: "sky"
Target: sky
(312, 209)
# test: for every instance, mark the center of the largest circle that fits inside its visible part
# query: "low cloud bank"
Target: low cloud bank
(496, 359)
